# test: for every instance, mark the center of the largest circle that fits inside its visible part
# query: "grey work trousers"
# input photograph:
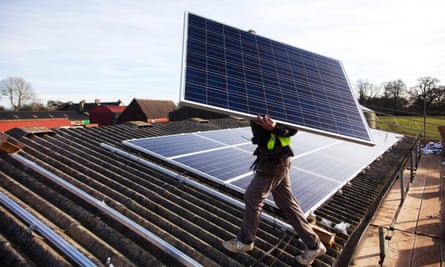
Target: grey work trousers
(279, 185)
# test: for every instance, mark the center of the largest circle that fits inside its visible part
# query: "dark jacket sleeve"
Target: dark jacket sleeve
(261, 136)
(282, 130)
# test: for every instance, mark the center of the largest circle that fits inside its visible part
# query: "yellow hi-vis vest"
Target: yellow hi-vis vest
(285, 141)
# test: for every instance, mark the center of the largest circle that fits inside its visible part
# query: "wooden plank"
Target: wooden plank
(417, 239)
(7, 146)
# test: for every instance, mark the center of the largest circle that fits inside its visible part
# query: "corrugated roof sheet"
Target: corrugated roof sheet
(191, 220)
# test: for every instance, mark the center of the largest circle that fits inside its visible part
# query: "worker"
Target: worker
(271, 168)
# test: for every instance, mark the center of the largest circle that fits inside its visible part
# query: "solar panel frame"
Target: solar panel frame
(211, 65)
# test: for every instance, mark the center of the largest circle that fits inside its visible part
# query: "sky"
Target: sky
(123, 49)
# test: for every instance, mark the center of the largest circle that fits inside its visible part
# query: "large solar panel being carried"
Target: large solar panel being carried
(238, 72)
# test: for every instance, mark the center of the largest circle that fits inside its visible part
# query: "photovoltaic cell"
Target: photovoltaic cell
(184, 144)
(238, 72)
(222, 164)
(321, 166)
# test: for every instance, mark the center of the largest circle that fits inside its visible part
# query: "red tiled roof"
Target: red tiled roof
(6, 125)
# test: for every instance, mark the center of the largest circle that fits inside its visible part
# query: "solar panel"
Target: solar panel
(237, 72)
(321, 166)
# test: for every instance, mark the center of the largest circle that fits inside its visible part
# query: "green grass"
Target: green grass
(411, 125)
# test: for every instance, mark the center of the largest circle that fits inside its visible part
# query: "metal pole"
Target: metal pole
(424, 113)
(411, 165)
(402, 185)
(44, 230)
(382, 245)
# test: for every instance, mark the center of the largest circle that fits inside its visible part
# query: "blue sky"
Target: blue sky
(125, 49)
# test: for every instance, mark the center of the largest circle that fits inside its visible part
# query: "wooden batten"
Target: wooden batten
(7, 146)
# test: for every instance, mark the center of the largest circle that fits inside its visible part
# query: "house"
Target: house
(84, 106)
(185, 112)
(105, 114)
(48, 119)
(71, 115)
(147, 110)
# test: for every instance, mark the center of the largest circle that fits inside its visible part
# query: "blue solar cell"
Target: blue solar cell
(326, 165)
(216, 163)
(239, 137)
(243, 183)
(183, 144)
(234, 71)
(310, 189)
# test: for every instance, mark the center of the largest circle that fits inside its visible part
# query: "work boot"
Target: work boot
(237, 246)
(309, 255)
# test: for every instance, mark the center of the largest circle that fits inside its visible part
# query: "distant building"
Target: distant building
(184, 113)
(147, 110)
(48, 119)
(105, 114)
(84, 107)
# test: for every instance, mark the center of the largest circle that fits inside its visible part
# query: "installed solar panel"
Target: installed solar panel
(321, 166)
(238, 72)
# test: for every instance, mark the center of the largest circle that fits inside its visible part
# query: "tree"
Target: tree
(58, 105)
(33, 106)
(18, 91)
(367, 91)
(395, 92)
(426, 93)
(441, 100)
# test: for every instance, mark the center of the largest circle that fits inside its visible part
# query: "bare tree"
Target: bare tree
(394, 93)
(441, 100)
(426, 92)
(18, 91)
(366, 91)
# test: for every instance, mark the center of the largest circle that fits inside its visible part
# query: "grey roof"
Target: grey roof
(189, 219)
(29, 115)
(146, 109)
(84, 107)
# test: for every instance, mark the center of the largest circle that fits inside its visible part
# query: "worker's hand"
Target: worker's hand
(266, 122)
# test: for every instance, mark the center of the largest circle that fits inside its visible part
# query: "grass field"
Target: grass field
(411, 125)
